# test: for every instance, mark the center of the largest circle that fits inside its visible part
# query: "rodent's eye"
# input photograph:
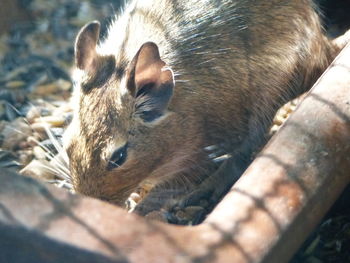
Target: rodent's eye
(117, 158)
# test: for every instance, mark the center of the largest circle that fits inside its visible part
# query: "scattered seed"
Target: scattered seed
(39, 153)
(15, 84)
(53, 121)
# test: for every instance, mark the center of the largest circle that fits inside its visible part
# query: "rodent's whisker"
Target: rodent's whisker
(61, 184)
(57, 146)
(16, 130)
(222, 158)
(63, 170)
(14, 108)
(51, 169)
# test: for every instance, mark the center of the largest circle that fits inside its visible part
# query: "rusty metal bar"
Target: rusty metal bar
(264, 218)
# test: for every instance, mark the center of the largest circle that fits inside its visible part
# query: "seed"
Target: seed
(15, 84)
(53, 121)
(40, 127)
(39, 153)
(278, 120)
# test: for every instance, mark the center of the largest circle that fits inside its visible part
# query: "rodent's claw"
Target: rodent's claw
(190, 205)
(191, 215)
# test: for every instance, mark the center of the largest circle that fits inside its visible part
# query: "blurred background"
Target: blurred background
(36, 58)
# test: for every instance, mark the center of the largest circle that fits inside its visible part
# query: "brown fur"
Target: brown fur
(235, 63)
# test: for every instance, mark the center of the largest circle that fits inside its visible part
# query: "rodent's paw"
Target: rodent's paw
(187, 205)
(187, 209)
(158, 216)
(190, 215)
(132, 202)
(192, 208)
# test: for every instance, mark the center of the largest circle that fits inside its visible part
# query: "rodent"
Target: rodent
(174, 77)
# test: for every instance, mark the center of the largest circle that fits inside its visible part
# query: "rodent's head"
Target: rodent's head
(116, 138)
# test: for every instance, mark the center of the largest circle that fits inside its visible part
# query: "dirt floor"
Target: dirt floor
(36, 56)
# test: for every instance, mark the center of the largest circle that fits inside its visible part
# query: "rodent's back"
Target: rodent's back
(229, 51)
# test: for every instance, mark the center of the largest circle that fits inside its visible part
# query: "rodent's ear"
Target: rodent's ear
(151, 82)
(85, 46)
